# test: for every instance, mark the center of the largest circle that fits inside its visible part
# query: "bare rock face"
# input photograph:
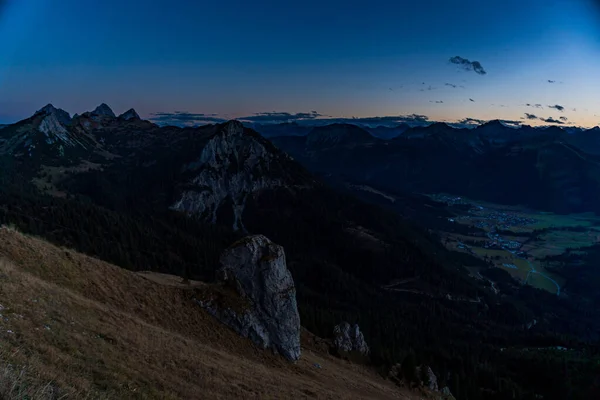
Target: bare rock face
(60, 115)
(54, 126)
(235, 166)
(350, 339)
(256, 268)
(231, 165)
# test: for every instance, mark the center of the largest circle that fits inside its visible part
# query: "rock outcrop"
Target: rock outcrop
(428, 378)
(255, 267)
(350, 339)
(446, 395)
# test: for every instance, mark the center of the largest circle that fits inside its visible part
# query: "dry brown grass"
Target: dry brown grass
(83, 328)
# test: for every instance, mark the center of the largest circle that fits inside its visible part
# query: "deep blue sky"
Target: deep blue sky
(339, 58)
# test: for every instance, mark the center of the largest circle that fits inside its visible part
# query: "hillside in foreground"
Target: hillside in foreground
(76, 327)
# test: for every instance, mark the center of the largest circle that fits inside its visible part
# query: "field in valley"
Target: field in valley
(517, 239)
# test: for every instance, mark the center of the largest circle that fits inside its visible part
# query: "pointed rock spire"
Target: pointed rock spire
(104, 109)
(129, 115)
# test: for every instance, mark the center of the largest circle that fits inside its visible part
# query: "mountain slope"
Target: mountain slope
(93, 329)
(351, 261)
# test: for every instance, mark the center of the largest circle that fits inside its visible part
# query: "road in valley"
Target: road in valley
(531, 266)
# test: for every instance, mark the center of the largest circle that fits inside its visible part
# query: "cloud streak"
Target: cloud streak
(183, 118)
(531, 116)
(558, 107)
(280, 117)
(551, 120)
(471, 121)
(468, 65)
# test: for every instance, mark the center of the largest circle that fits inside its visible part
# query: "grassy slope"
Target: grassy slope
(84, 328)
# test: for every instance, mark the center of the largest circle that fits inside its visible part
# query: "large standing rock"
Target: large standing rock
(350, 339)
(256, 268)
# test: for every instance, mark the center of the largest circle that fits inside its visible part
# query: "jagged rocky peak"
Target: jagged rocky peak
(61, 115)
(232, 165)
(105, 110)
(255, 267)
(349, 338)
(130, 114)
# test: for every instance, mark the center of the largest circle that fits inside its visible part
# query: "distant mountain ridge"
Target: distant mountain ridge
(490, 162)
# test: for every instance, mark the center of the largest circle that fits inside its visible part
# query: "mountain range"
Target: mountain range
(169, 199)
(491, 162)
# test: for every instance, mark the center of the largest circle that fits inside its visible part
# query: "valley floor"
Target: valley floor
(77, 327)
(526, 239)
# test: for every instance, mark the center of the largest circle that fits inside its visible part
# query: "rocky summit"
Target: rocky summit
(59, 114)
(256, 268)
(232, 166)
(105, 110)
(129, 115)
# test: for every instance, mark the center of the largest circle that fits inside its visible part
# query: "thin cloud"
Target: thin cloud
(472, 100)
(551, 120)
(471, 121)
(280, 117)
(565, 119)
(183, 118)
(531, 116)
(437, 101)
(468, 65)
(451, 85)
(390, 120)
(510, 122)
(551, 81)
(534, 105)
(558, 107)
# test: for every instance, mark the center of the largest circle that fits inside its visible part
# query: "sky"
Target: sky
(523, 60)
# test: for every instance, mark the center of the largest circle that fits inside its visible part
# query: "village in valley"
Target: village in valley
(515, 239)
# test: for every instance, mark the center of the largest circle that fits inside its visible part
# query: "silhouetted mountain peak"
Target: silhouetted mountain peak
(337, 134)
(104, 109)
(61, 116)
(130, 114)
